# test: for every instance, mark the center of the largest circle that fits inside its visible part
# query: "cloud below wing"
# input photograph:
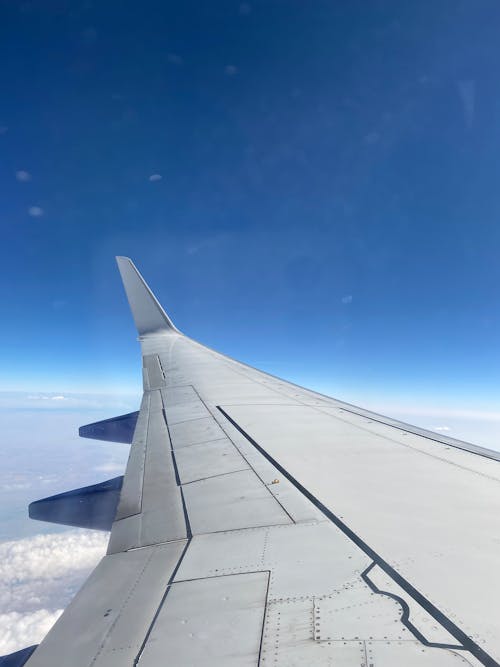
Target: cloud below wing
(38, 578)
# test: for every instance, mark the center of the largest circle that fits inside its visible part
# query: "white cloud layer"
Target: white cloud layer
(38, 578)
(109, 405)
(16, 627)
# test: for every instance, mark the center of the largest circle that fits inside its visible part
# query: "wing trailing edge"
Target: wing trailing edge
(149, 316)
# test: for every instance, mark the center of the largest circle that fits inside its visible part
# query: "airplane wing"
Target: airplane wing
(260, 523)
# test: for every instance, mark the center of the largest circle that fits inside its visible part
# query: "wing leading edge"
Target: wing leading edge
(260, 523)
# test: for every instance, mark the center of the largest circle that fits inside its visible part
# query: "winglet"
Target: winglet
(149, 316)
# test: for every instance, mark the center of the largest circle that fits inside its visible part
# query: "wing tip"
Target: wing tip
(148, 314)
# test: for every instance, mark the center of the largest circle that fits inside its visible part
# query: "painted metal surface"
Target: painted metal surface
(231, 501)
(208, 460)
(89, 507)
(107, 621)
(149, 316)
(115, 429)
(435, 521)
(344, 538)
(195, 432)
(17, 659)
(215, 622)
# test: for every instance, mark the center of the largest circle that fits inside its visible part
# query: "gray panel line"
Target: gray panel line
(468, 643)
(266, 486)
(142, 461)
(221, 576)
(220, 474)
(405, 615)
(161, 366)
(407, 445)
(228, 530)
(145, 450)
(162, 602)
(176, 472)
(374, 417)
(185, 421)
(348, 407)
(124, 604)
(264, 617)
(205, 442)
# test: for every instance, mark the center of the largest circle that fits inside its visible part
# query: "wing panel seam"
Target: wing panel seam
(245, 459)
(469, 644)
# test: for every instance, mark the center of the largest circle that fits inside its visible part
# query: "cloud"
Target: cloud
(38, 578)
(372, 138)
(35, 211)
(15, 486)
(23, 176)
(205, 244)
(347, 298)
(44, 397)
(18, 629)
(155, 177)
(111, 468)
(467, 92)
(441, 428)
(174, 59)
(115, 402)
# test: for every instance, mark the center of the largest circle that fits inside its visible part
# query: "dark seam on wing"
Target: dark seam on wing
(468, 643)
(162, 601)
(405, 615)
(266, 486)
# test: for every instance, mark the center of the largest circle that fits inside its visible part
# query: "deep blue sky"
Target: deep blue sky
(329, 199)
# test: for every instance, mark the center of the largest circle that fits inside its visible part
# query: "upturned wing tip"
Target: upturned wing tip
(148, 314)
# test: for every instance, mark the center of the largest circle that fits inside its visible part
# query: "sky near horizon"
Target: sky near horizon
(310, 187)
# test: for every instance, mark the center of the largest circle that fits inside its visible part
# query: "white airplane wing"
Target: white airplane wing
(260, 523)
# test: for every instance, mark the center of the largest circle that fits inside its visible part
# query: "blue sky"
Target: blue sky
(310, 187)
